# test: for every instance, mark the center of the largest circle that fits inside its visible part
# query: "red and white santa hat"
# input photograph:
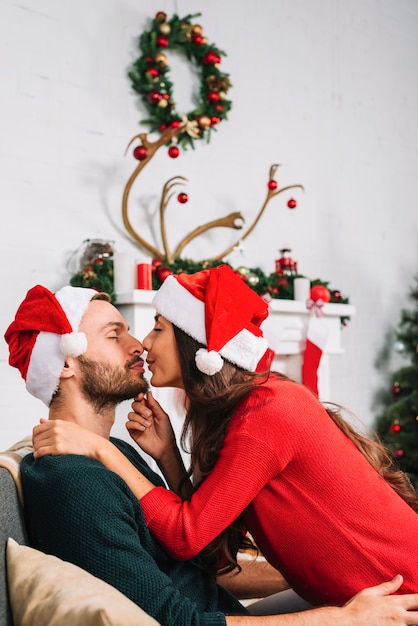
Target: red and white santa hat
(220, 311)
(44, 332)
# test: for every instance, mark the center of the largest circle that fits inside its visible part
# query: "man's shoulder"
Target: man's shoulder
(74, 470)
(62, 470)
(137, 460)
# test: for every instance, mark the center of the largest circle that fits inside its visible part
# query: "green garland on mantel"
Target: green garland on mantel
(99, 275)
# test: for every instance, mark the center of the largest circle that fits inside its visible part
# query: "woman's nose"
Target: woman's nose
(137, 346)
(146, 343)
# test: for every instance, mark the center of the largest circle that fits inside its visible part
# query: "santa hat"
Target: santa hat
(220, 311)
(44, 332)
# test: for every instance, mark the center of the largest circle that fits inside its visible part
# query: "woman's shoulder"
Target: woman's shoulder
(278, 398)
(281, 388)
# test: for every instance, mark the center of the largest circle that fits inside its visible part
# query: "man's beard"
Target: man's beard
(106, 385)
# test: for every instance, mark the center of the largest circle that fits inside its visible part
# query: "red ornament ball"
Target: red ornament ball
(140, 153)
(162, 272)
(173, 152)
(183, 198)
(396, 389)
(214, 120)
(336, 295)
(211, 58)
(272, 184)
(161, 16)
(213, 96)
(292, 204)
(162, 42)
(154, 97)
(153, 72)
(319, 292)
(398, 452)
(396, 427)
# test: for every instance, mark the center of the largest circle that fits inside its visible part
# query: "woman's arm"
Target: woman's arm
(183, 527)
(58, 437)
(150, 427)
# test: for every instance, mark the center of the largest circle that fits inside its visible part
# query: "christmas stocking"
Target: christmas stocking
(316, 338)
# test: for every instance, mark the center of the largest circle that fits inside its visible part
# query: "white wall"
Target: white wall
(327, 88)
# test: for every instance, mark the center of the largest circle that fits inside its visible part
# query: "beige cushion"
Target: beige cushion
(11, 458)
(45, 590)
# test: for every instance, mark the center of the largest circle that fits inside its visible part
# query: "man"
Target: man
(75, 353)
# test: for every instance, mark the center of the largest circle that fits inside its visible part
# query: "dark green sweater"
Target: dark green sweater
(81, 512)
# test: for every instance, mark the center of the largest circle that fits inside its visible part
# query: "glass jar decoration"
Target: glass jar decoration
(94, 251)
(285, 265)
(91, 265)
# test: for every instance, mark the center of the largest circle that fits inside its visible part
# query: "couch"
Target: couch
(37, 589)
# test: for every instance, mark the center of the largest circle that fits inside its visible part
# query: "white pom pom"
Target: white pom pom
(208, 362)
(73, 344)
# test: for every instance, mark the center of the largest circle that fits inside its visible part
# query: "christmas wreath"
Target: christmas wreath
(149, 75)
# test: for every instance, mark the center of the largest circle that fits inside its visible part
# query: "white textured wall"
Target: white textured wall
(327, 88)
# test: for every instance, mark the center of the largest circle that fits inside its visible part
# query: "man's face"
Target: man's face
(112, 368)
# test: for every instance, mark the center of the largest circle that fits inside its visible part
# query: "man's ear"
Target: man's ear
(70, 367)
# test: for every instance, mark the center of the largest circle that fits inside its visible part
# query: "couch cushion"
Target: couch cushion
(11, 517)
(46, 590)
(10, 460)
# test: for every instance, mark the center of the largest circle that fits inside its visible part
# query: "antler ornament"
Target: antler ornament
(144, 153)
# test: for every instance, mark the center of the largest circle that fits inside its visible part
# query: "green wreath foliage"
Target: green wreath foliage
(150, 77)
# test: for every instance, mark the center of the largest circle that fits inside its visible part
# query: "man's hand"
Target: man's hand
(375, 605)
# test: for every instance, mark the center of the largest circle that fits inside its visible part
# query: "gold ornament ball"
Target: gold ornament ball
(197, 29)
(161, 58)
(163, 103)
(204, 121)
(253, 279)
(165, 29)
(222, 95)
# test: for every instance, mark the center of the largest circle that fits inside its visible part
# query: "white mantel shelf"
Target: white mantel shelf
(285, 329)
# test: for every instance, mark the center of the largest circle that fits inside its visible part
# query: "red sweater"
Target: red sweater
(315, 507)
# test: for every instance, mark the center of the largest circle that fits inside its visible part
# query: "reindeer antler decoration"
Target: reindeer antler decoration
(144, 152)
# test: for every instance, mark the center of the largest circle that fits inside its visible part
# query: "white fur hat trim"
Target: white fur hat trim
(208, 362)
(183, 309)
(73, 344)
(50, 349)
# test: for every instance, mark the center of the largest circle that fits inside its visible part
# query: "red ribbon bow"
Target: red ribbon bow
(315, 307)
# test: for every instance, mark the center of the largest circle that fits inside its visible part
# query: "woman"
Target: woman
(323, 504)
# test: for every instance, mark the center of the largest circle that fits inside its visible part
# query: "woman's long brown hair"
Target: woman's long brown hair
(211, 403)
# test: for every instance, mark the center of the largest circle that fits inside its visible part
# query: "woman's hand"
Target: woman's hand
(57, 437)
(150, 427)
